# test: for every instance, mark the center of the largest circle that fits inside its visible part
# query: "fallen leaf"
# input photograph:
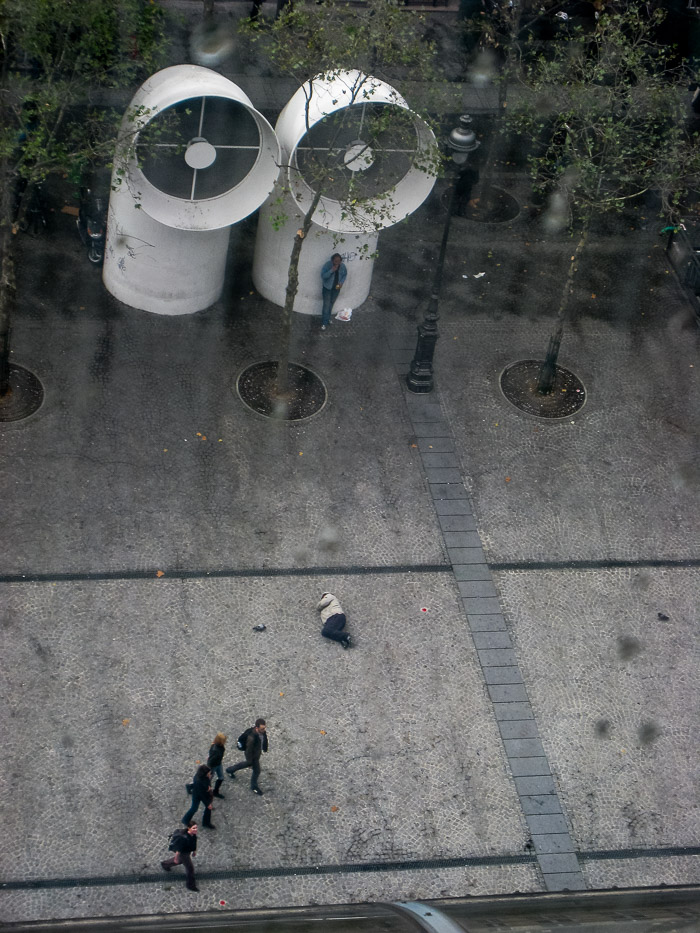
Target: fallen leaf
(281, 694)
(322, 732)
(334, 809)
(593, 295)
(160, 573)
(125, 722)
(301, 453)
(199, 433)
(507, 479)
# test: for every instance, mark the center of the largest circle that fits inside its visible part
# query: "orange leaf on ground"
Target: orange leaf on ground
(160, 573)
(334, 809)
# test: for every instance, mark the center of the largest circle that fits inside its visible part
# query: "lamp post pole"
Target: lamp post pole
(462, 141)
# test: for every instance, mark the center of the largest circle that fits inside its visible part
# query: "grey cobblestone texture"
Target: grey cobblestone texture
(170, 896)
(194, 500)
(646, 872)
(119, 686)
(610, 681)
(518, 730)
(614, 693)
(117, 730)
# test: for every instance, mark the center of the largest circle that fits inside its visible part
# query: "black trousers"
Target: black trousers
(333, 627)
(206, 819)
(255, 765)
(184, 859)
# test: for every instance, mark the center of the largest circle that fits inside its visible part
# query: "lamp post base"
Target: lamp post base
(420, 376)
(420, 382)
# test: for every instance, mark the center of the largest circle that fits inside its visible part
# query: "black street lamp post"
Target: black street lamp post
(461, 141)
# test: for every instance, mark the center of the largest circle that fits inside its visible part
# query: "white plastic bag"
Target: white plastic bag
(344, 315)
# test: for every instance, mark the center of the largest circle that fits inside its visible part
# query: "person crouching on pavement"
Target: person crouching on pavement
(183, 843)
(216, 756)
(333, 619)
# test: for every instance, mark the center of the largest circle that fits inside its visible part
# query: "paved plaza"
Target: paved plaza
(519, 712)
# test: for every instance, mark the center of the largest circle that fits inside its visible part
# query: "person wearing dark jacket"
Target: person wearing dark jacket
(216, 756)
(184, 843)
(256, 744)
(201, 793)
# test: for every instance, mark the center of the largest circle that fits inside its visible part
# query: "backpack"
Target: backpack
(172, 844)
(243, 738)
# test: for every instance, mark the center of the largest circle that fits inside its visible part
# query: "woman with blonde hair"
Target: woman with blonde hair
(216, 756)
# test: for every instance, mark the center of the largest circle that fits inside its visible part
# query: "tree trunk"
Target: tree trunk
(548, 370)
(7, 281)
(483, 189)
(292, 287)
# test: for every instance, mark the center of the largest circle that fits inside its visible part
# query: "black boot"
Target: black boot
(216, 789)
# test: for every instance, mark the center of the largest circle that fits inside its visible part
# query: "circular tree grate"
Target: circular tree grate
(495, 206)
(519, 385)
(25, 396)
(257, 388)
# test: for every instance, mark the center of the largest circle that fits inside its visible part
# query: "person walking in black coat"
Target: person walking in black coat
(216, 756)
(184, 843)
(201, 793)
(256, 744)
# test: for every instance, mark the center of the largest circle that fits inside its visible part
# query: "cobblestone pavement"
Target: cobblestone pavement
(143, 460)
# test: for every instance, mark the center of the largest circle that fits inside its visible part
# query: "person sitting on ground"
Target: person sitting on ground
(333, 619)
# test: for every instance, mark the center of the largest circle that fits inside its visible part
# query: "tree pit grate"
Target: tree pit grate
(519, 385)
(257, 388)
(24, 397)
(494, 207)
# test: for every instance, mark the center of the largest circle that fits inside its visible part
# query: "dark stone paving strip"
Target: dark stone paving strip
(368, 868)
(352, 570)
(534, 783)
(602, 564)
(240, 873)
(469, 563)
